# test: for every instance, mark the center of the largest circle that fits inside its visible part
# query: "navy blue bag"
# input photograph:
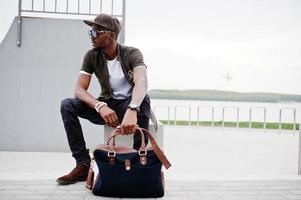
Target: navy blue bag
(126, 172)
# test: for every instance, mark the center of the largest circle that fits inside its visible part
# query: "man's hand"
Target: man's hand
(129, 122)
(109, 116)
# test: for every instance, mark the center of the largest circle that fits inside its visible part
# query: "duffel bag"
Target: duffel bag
(127, 172)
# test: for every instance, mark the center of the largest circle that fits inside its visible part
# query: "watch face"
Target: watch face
(134, 107)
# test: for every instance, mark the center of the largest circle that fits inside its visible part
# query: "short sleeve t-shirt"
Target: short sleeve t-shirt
(127, 59)
(120, 86)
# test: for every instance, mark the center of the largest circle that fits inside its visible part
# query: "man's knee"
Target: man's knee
(67, 105)
(143, 122)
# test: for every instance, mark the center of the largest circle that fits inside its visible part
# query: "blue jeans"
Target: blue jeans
(72, 109)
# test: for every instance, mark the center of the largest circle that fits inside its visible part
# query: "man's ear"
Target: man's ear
(113, 35)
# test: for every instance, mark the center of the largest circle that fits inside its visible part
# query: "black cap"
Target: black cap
(106, 21)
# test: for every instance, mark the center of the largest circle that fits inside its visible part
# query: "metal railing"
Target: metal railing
(212, 114)
(237, 115)
(189, 113)
(224, 109)
(168, 111)
(264, 116)
(280, 117)
(55, 11)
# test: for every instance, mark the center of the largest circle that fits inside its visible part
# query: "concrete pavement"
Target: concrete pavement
(175, 190)
(230, 165)
(31, 176)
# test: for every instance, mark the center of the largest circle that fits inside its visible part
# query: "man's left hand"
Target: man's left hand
(129, 122)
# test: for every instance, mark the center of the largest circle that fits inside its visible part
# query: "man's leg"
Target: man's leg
(71, 109)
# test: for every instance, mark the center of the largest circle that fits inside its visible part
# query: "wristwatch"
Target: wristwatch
(133, 106)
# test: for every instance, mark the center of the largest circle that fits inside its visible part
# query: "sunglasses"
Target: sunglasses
(94, 33)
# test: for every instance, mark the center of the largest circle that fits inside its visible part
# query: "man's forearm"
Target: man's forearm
(85, 96)
(139, 91)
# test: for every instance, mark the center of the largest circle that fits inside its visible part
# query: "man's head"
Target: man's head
(105, 30)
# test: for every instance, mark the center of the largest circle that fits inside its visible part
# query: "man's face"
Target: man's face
(102, 37)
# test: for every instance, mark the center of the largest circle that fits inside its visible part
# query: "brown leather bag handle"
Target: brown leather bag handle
(117, 132)
(114, 131)
(154, 144)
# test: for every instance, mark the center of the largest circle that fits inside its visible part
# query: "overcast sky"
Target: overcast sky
(237, 45)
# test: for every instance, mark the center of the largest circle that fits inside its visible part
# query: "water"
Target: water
(230, 113)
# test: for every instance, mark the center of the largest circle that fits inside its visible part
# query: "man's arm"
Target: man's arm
(82, 94)
(139, 91)
(140, 88)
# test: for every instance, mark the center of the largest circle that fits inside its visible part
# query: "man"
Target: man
(123, 101)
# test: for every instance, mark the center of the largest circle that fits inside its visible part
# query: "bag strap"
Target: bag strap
(156, 148)
(117, 132)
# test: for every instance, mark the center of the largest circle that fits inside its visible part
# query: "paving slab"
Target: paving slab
(226, 190)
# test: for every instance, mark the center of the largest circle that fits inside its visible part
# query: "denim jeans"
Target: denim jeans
(72, 109)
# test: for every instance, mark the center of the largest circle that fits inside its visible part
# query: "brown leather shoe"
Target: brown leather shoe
(79, 173)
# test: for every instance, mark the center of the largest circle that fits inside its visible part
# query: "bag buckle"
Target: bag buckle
(111, 157)
(142, 152)
(111, 154)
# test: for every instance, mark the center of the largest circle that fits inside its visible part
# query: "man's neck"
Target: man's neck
(111, 52)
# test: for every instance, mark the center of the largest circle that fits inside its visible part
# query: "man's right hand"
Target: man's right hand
(109, 116)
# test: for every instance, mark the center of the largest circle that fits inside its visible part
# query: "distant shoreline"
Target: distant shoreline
(216, 95)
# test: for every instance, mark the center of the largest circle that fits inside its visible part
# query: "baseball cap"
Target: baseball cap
(107, 21)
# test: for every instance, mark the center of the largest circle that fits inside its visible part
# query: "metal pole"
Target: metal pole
(294, 128)
(122, 36)
(198, 116)
(55, 5)
(67, 6)
(89, 6)
(280, 125)
(168, 110)
(19, 21)
(100, 6)
(175, 118)
(250, 118)
(294, 116)
(78, 5)
(237, 118)
(265, 118)
(44, 5)
(299, 152)
(32, 2)
(112, 7)
(223, 117)
(189, 116)
(212, 119)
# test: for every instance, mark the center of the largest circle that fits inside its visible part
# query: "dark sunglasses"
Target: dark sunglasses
(94, 33)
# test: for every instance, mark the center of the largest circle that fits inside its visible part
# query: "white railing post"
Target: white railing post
(299, 151)
(237, 115)
(264, 116)
(189, 113)
(294, 117)
(212, 114)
